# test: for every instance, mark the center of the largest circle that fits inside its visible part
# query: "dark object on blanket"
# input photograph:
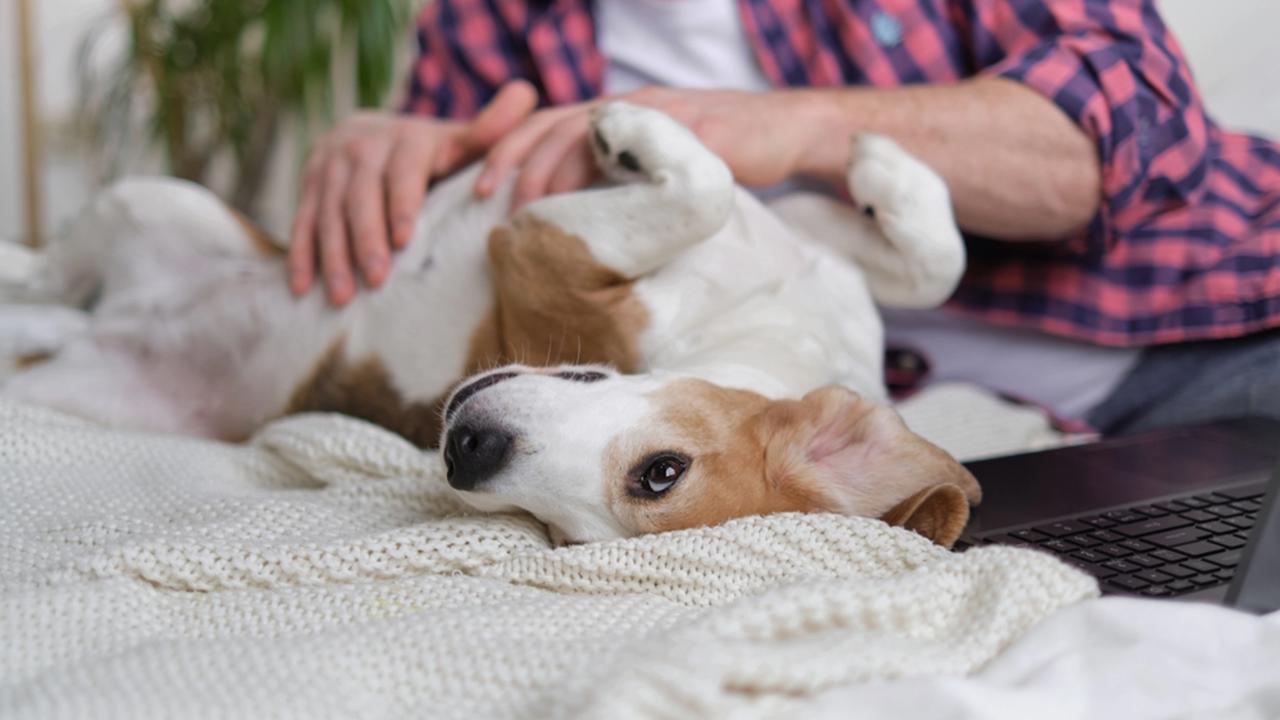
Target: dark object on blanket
(1182, 513)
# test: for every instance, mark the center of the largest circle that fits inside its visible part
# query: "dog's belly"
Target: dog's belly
(760, 307)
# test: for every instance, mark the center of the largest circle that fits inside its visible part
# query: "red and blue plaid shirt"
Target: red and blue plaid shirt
(1187, 243)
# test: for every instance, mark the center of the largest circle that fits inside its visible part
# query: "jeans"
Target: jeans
(1195, 383)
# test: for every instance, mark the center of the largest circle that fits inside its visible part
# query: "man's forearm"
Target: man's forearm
(1017, 166)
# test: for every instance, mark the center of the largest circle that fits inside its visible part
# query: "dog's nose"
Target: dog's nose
(473, 455)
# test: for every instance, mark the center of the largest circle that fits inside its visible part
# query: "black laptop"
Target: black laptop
(1190, 513)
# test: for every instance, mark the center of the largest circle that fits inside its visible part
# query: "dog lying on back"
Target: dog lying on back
(686, 354)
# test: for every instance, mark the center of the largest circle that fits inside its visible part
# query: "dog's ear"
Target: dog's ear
(850, 455)
(938, 513)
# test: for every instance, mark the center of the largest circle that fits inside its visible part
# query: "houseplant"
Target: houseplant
(218, 78)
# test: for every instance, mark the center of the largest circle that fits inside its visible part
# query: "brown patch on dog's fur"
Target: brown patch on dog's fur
(719, 429)
(938, 513)
(555, 303)
(363, 389)
(261, 240)
(831, 451)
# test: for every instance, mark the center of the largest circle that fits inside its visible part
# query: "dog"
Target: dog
(662, 352)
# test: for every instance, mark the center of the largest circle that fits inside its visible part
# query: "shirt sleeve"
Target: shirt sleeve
(1114, 68)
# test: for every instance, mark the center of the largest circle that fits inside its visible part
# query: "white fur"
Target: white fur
(193, 332)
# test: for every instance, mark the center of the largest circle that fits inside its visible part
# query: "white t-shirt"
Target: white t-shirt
(703, 44)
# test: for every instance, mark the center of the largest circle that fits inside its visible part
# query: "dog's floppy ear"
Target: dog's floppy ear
(938, 513)
(854, 456)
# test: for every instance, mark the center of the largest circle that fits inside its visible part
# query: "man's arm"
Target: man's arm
(1018, 168)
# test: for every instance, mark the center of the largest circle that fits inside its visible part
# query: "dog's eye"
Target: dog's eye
(661, 474)
(582, 376)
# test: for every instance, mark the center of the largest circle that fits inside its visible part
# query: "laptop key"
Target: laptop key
(1199, 516)
(1059, 546)
(1198, 548)
(1107, 536)
(1090, 556)
(1228, 559)
(1114, 551)
(1137, 545)
(1086, 540)
(1214, 498)
(1200, 566)
(1151, 511)
(1127, 582)
(1123, 566)
(1224, 511)
(1152, 525)
(1244, 523)
(1177, 571)
(1029, 535)
(1153, 576)
(1193, 503)
(1174, 538)
(1167, 555)
(1145, 561)
(1179, 586)
(1156, 591)
(1225, 573)
(1247, 505)
(1062, 528)
(1217, 527)
(1242, 492)
(1230, 542)
(1202, 580)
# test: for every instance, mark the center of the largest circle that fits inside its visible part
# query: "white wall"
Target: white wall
(1231, 45)
(1234, 52)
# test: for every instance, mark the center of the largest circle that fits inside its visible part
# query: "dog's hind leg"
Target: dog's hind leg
(901, 229)
(673, 192)
(135, 232)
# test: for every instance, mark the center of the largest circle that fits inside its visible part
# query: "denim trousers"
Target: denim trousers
(1193, 383)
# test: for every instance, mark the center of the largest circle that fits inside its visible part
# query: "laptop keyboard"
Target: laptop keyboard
(1162, 549)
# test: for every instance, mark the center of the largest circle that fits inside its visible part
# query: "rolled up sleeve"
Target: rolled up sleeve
(1113, 67)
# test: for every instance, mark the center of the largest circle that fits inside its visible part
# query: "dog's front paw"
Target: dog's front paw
(631, 142)
(886, 182)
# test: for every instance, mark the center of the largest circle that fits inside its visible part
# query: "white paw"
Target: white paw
(631, 142)
(888, 184)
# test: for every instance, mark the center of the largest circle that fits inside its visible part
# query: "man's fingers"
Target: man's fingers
(511, 151)
(302, 238)
(513, 103)
(556, 146)
(577, 170)
(365, 205)
(335, 254)
(407, 174)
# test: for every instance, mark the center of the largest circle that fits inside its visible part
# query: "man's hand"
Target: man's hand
(761, 136)
(365, 182)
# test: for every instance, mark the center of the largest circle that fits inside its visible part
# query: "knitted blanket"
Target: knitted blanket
(324, 570)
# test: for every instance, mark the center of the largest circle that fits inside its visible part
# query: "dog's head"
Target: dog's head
(597, 455)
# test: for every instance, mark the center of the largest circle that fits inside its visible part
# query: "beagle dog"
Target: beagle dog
(660, 352)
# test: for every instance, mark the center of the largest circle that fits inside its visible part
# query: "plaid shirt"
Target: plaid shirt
(1186, 244)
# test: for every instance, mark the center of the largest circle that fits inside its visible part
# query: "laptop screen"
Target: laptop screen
(1257, 583)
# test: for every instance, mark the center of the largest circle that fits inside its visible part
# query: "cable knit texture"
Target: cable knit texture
(324, 570)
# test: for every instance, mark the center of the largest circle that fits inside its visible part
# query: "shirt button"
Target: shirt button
(887, 29)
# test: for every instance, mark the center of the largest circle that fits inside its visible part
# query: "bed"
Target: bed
(322, 570)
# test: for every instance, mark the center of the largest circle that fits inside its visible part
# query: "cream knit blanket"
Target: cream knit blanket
(322, 571)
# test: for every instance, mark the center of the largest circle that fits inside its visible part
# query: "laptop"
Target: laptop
(1189, 513)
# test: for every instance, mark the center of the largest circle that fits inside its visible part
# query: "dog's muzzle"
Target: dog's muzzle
(474, 454)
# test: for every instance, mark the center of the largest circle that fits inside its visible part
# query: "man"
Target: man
(1124, 250)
